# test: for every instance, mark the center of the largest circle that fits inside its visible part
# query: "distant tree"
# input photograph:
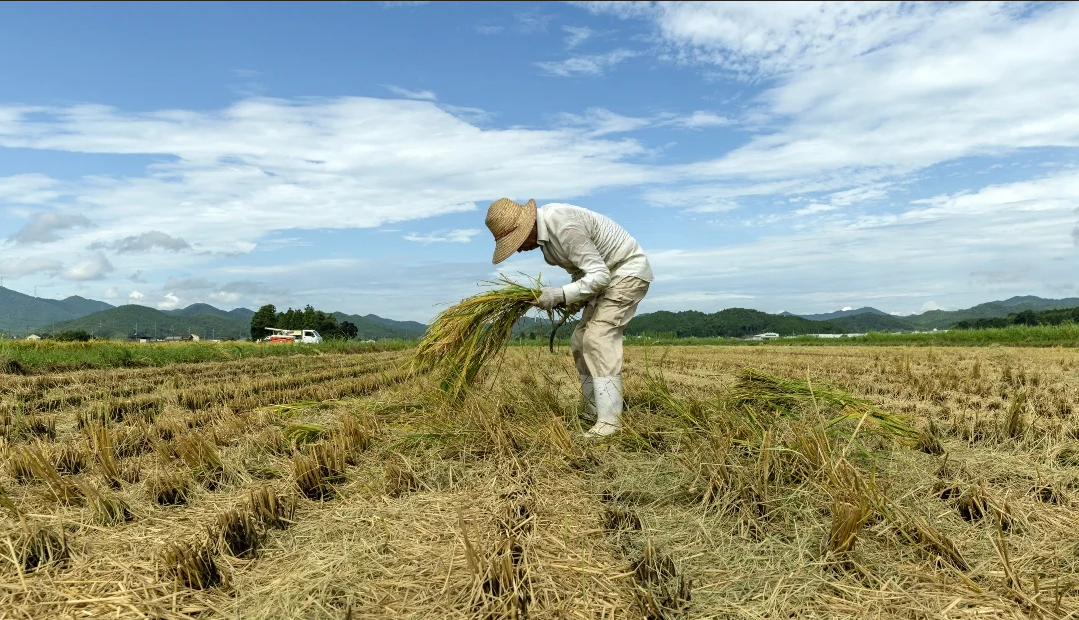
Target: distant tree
(1027, 317)
(265, 317)
(349, 329)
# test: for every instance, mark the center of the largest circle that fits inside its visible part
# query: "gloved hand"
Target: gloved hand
(550, 296)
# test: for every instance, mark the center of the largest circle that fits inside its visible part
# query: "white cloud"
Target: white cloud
(815, 207)
(454, 236)
(422, 95)
(702, 120)
(489, 29)
(968, 248)
(169, 301)
(396, 4)
(223, 180)
(111, 293)
(28, 189)
(135, 296)
(143, 243)
(531, 22)
(588, 65)
(847, 309)
(575, 35)
(96, 267)
(42, 227)
(600, 122)
(18, 267)
(856, 93)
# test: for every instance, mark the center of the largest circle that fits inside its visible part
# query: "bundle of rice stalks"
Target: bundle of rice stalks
(36, 547)
(169, 487)
(192, 564)
(238, 532)
(106, 509)
(464, 338)
(790, 396)
(272, 509)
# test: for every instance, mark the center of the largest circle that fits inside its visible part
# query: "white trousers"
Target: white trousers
(597, 341)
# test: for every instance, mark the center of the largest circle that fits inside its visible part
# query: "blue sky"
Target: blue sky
(779, 156)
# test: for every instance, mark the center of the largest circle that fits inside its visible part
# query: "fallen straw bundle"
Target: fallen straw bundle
(791, 395)
(465, 337)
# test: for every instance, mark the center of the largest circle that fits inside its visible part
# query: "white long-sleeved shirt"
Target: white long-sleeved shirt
(591, 247)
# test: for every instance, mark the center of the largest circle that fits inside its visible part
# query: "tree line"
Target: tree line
(324, 323)
(1027, 317)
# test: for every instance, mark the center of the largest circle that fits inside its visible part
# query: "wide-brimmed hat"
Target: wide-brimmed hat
(510, 223)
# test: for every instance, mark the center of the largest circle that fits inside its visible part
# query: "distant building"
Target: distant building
(33, 337)
(834, 335)
(764, 336)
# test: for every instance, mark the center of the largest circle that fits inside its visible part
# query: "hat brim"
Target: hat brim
(506, 246)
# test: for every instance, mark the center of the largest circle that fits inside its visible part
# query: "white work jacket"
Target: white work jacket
(591, 247)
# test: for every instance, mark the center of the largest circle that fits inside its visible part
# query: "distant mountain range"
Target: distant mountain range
(871, 319)
(22, 314)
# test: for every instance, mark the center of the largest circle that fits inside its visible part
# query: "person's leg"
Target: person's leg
(588, 400)
(602, 350)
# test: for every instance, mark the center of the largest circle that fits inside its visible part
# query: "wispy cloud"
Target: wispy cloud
(600, 121)
(15, 268)
(144, 242)
(862, 93)
(532, 22)
(42, 227)
(575, 35)
(702, 120)
(422, 95)
(396, 4)
(461, 235)
(589, 65)
(489, 29)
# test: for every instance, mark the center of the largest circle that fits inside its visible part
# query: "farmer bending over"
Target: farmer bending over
(610, 274)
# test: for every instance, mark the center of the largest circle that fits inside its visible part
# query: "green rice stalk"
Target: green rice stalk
(465, 338)
(758, 388)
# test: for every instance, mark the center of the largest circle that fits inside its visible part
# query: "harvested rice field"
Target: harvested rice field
(751, 482)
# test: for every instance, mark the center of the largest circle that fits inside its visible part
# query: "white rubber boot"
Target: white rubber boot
(588, 398)
(608, 394)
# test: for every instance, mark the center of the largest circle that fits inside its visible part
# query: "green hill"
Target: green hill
(372, 327)
(1026, 317)
(943, 319)
(198, 310)
(872, 322)
(411, 327)
(838, 314)
(79, 306)
(729, 323)
(241, 314)
(23, 314)
(122, 321)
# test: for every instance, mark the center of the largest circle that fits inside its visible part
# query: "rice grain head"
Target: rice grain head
(466, 337)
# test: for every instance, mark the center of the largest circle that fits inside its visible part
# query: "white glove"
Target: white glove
(551, 296)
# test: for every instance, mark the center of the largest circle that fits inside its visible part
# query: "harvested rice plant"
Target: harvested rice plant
(759, 482)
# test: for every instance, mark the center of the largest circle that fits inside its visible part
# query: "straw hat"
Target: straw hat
(510, 223)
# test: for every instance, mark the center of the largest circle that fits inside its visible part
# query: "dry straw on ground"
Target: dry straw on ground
(764, 482)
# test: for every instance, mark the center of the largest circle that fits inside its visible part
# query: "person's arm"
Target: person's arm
(583, 253)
